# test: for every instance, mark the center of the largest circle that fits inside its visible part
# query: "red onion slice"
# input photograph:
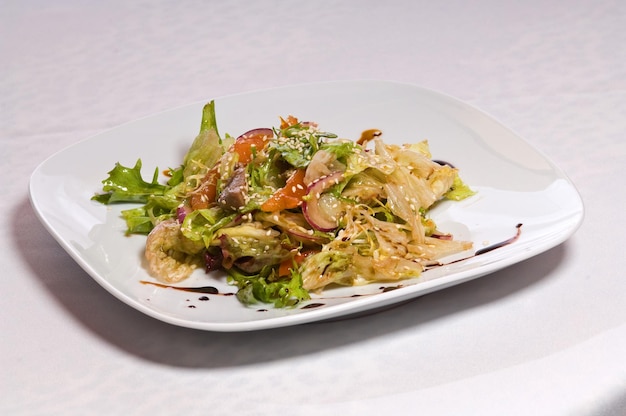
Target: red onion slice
(306, 237)
(316, 213)
(262, 132)
(181, 212)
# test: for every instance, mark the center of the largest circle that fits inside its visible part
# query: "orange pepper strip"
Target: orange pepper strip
(288, 197)
(205, 194)
(291, 121)
(244, 144)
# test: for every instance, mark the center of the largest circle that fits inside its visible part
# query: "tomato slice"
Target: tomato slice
(248, 143)
(289, 196)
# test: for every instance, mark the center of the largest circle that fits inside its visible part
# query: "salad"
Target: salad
(289, 210)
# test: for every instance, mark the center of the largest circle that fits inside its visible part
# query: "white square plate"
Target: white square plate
(515, 184)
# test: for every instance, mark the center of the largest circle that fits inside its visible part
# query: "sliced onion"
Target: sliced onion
(181, 212)
(304, 236)
(319, 213)
(441, 236)
(263, 132)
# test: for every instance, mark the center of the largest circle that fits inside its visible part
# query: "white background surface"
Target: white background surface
(546, 336)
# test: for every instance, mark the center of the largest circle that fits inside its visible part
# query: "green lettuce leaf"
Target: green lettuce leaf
(125, 184)
(298, 143)
(459, 190)
(340, 148)
(206, 148)
(141, 220)
(202, 224)
(261, 288)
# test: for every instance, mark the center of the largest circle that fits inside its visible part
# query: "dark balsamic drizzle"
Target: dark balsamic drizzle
(501, 243)
(444, 163)
(390, 288)
(312, 305)
(202, 289)
(484, 249)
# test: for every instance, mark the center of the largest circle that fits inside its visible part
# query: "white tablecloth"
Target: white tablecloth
(544, 337)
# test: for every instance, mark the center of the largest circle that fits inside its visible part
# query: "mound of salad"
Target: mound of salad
(290, 210)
